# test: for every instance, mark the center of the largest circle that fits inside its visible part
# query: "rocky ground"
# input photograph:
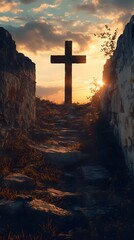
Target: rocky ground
(75, 187)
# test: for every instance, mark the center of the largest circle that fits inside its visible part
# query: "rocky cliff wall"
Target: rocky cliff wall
(118, 95)
(17, 85)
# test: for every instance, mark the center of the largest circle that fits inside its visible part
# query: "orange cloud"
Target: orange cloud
(9, 7)
(45, 6)
(6, 19)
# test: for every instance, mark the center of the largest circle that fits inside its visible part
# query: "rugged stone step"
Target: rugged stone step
(18, 181)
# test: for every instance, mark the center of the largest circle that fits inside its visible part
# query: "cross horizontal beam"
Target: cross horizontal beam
(73, 59)
(79, 59)
(58, 59)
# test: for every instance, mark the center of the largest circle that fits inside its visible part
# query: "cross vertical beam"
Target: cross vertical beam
(68, 72)
(68, 59)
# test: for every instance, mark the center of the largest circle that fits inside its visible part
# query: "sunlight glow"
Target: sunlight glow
(101, 83)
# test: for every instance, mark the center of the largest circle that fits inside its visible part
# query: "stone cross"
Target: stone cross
(68, 59)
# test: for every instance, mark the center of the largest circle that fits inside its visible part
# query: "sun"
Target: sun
(100, 83)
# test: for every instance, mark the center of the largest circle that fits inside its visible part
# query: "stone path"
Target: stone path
(93, 199)
(93, 183)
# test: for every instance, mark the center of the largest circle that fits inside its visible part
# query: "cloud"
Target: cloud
(119, 3)
(27, 1)
(114, 10)
(47, 91)
(58, 1)
(7, 19)
(44, 6)
(9, 7)
(38, 36)
(88, 7)
(124, 18)
(104, 6)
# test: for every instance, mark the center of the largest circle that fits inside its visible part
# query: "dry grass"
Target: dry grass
(77, 146)
(17, 155)
(22, 237)
(46, 112)
(20, 157)
(46, 232)
(8, 194)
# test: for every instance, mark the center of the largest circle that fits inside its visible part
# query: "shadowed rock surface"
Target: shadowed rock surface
(17, 84)
(118, 95)
(19, 182)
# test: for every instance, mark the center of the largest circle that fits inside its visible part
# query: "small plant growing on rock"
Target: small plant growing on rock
(109, 43)
(95, 93)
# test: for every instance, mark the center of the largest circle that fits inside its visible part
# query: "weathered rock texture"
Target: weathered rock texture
(118, 96)
(17, 85)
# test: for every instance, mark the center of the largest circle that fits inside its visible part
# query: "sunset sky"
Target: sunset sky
(40, 29)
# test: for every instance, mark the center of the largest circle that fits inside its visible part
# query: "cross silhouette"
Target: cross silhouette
(68, 59)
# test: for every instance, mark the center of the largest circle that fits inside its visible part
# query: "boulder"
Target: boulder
(11, 208)
(59, 156)
(19, 182)
(38, 206)
(24, 206)
(62, 156)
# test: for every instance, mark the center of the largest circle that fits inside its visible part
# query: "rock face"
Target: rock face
(17, 85)
(118, 96)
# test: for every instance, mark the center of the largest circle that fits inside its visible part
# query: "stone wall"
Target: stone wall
(17, 85)
(118, 95)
